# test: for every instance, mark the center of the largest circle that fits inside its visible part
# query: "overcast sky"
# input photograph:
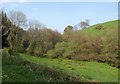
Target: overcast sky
(57, 15)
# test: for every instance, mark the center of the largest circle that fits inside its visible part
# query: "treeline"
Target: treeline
(78, 46)
(41, 41)
(36, 40)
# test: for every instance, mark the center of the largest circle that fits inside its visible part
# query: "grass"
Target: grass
(87, 71)
(93, 71)
(15, 69)
(18, 73)
(111, 26)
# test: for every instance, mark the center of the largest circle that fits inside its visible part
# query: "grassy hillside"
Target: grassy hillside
(32, 69)
(110, 27)
(15, 69)
(93, 71)
(15, 72)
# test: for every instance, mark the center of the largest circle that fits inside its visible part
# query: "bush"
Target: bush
(55, 53)
(99, 26)
(51, 54)
(10, 51)
(69, 54)
(112, 60)
(31, 48)
(38, 51)
(71, 50)
(58, 51)
(5, 53)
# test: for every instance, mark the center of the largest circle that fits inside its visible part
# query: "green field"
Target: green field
(17, 72)
(99, 72)
(92, 71)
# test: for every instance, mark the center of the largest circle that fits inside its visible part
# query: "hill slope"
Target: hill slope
(30, 68)
(103, 29)
(88, 70)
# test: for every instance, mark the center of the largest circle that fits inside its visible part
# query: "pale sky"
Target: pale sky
(57, 15)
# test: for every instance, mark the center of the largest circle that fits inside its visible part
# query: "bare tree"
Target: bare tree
(18, 18)
(35, 24)
(84, 24)
(76, 27)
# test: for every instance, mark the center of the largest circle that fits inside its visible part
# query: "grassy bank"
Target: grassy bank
(26, 68)
(15, 69)
(94, 71)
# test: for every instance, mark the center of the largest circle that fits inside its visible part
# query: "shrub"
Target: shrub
(58, 51)
(99, 26)
(38, 51)
(51, 54)
(5, 53)
(55, 53)
(112, 60)
(31, 48)
(69, 54)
